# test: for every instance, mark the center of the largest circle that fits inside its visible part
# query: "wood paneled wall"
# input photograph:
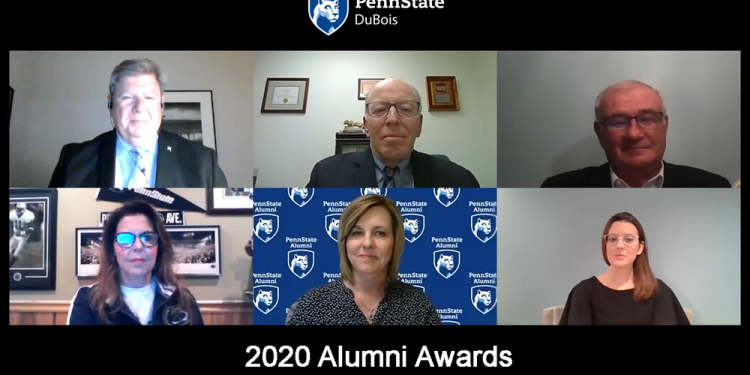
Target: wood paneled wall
(56, 313)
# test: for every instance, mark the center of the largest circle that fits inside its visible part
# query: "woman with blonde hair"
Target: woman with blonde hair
(627, 293)
(371, 241)
(136, 284)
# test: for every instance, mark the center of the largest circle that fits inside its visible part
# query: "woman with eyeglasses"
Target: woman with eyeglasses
(627, 293)
(136, 284)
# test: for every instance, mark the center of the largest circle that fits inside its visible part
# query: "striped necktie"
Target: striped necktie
(389, 173)
(139, 175)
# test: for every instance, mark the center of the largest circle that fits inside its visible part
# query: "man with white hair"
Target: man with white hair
(393, 122)
(631, 125)
(22, 220)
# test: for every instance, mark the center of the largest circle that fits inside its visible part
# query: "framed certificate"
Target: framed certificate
(442, 94)
(285, 95)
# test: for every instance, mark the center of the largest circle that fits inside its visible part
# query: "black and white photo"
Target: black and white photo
(88, 245)
(32, 238)
(229, 201)
(190, 114)
(197, 250)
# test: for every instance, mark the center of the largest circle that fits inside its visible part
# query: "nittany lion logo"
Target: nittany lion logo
(265, 298)
(451, 323)
(301, 262)
(376, 191)
(413, 226)
(446, 196)
(332, 226)
(446, 262)
(300, 196)
(266, 226)
(483, 298)
(328, 15)
(483, 226)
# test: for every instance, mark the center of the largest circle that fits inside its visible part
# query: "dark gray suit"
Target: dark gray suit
(180, 163)
(357, 170)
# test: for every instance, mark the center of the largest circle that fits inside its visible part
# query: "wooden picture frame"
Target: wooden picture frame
(33, 239)
(351, 142)
(229, 201)
(190, 114)
(364, 85)
(285, 95)
(442, 94)
(203, 241)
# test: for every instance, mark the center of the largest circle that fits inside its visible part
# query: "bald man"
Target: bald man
(631, 125)
(393, 122)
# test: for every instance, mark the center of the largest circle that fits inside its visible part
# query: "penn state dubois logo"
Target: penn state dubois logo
(301, 196)
(328, 15)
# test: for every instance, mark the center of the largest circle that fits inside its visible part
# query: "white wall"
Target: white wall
(546, 109)
(61, 97)
(288, 146)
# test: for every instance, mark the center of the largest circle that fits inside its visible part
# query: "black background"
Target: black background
(222, 349)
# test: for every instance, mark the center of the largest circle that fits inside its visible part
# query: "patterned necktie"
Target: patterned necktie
(139, 175)
(389, 173)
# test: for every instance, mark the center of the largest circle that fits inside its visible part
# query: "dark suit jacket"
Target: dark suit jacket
(92, 164)
(357, 170)
(675, 176)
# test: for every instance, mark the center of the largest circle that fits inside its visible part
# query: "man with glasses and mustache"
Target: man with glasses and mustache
(631, 125)
(393, 122)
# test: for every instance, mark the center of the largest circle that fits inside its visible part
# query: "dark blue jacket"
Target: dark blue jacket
(164, 311)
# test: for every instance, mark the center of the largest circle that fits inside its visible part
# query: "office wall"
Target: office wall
(288, 145)
(545, 107)
(78, 208)
(550, 240)
(61, 97)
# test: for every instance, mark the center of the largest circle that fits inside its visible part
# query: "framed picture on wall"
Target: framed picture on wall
(364, 85)
(88, 244)
(10, 111)
(229, 201)
(442, 94)
(191, 115)
(351, 142)
(32, 233)
(285, 95)
(197, 250)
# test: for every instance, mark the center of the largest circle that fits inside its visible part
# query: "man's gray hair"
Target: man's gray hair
(624, 85)
(134, 68)
(417, 97)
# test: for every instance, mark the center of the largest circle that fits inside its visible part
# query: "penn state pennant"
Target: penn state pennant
(157, 197)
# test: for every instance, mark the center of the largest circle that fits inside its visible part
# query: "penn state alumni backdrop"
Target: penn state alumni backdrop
(450, 253)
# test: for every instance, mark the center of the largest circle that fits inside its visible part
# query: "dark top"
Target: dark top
(164, 311)
(180, 163)
(592, 303)
(333, 304)
(675, 176)
(357, 170)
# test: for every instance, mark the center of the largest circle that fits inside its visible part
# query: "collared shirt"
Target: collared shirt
(403, 177)
(656, 182)
(125, 162)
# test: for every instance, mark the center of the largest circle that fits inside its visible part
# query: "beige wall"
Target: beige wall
(78, 208)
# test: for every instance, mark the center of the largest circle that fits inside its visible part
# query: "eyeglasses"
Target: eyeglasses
(405, 109)
(627, 240)
(645, 119)
(127, 239)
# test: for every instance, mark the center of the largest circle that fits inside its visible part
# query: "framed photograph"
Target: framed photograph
(32, 234)
(351, 142)
(364, 85)
(442, 94)
(88, 244)
(191, 115)
(229, 201)
(10, 111)
(197, 250)
(285, 95)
